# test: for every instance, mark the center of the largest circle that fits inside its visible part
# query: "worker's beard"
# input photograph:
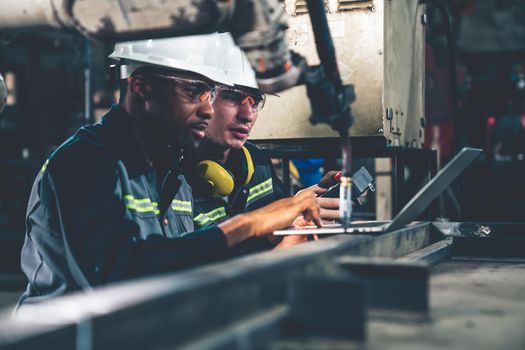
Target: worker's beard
(207, 149)
(163, 131)
(178, 140)
(187, 141)
(167, 135)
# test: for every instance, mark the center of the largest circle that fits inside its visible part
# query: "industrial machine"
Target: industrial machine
(387, 73)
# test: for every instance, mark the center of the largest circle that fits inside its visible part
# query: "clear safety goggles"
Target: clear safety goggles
(233, 97)
(194, 90)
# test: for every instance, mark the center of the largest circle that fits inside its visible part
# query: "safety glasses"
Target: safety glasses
(194, 90)
(235, 98)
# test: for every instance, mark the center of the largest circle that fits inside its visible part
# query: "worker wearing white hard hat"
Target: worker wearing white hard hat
(228, 174)
(190, 54)
(111, 203)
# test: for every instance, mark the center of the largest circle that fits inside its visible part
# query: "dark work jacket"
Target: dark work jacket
(96, 215)
(264, 188)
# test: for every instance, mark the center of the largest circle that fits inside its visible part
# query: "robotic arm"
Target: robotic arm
(258, 27)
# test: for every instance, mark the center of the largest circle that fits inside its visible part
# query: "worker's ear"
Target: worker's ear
(140, 87)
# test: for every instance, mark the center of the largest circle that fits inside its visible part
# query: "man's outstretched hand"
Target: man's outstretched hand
(329, 206)
(278, 215)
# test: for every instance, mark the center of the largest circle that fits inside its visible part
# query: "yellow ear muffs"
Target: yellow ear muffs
(220, 180)
(239, 170)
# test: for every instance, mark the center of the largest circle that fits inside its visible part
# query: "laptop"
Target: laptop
(410, 211)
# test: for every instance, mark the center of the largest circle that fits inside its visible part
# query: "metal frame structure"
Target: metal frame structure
(362, 147)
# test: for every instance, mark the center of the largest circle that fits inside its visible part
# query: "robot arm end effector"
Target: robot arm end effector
(258, 27)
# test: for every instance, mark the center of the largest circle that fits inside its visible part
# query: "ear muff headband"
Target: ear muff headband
(249, 165)
(222, 180)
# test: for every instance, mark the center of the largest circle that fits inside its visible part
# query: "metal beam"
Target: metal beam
(391, 285)
(176, 309)
(430, 255)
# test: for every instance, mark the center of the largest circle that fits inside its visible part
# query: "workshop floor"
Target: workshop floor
(475, 304)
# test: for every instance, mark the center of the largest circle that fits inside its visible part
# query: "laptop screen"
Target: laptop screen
(434, 187)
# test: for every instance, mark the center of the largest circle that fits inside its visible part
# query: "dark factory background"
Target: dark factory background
(58, 82)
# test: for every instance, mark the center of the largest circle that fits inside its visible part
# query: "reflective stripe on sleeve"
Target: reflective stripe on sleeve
(260, 190)
(210, 217)
(141, 205)
(44, 167)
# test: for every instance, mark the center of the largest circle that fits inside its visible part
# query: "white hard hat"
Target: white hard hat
(235, 64)
(197, 53)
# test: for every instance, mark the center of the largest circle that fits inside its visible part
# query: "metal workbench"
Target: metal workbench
(427, 286)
